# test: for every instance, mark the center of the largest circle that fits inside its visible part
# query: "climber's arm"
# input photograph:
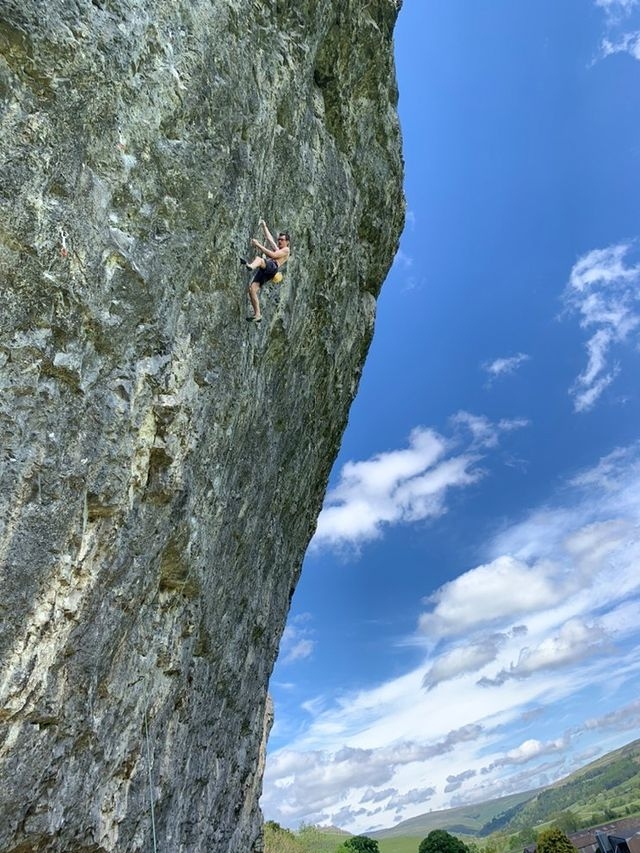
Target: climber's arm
(277, 255)
(268, 235)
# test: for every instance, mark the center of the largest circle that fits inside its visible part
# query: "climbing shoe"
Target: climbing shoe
(244, 262)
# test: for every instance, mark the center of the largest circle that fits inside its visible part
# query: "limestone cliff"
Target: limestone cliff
(164, 461)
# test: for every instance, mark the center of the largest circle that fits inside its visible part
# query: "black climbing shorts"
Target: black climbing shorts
(266, 274)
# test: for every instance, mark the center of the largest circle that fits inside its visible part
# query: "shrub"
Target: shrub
(554, 840)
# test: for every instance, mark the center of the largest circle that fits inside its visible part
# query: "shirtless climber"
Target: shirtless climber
(277, 256)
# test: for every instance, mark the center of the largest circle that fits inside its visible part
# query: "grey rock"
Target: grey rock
(164, 462)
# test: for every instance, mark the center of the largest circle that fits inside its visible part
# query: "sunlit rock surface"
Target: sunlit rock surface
(164, 461)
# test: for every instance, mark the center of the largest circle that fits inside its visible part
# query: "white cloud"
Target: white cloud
(296, 643)
(462, 659)
(622, 719)
(615, 8)
(604, 289)
(617, 13)
(403, 260)
(561, 592)
(373, 796)
(505, 366)
(415, 795)
(529, 750)
(471, 656)
(407, 485)
(606, 474)
(299, 784)
(484, 433)
(574, 641)
(455, 782)
(627, 43)
(619, 5)
(502, 589)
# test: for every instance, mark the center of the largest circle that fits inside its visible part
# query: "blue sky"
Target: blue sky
(466, 625)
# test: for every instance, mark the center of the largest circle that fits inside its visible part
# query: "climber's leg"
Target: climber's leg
(253, 290)
(254, 264)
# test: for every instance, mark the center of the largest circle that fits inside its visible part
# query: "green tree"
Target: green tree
(361, 844)
(440, 841)
(277, 839)
(314, 840)
(554, 840)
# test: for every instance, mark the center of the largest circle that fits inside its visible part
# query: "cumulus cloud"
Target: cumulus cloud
(415, 795)
(461, 659)
(604, 291)
(504, 782)
(389, 488)
(529, 750)
(575, 641)
(549, 560)
(346, 815)
(454, 782)
(373, 796)
(408, 485)
(468, 657)
(504, 366)
(502, 589)
(626, 718)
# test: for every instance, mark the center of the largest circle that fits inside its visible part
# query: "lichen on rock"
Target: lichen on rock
(164, 461)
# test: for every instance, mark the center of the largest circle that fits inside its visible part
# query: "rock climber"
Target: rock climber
(267, 267)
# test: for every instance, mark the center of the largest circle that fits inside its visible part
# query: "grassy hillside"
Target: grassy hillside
(603, 790)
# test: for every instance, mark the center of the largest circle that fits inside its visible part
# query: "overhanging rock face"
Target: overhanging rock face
(164, 461)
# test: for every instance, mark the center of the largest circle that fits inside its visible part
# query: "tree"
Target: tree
(361, 844)
(313, 839)
(554, 840)
(440, 841)
(277, 839)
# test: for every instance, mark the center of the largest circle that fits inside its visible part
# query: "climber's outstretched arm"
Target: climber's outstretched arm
(268, 236)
